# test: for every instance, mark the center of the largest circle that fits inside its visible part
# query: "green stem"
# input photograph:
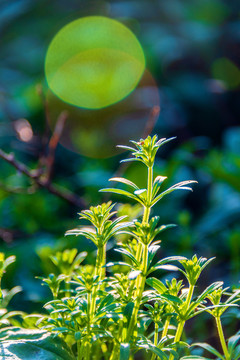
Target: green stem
(100, 272)
(68, 288)
(81, 350)
(182, 322)
(147, 208)
(142, 250)
(145, 219)
(120, 335)
(88, 345)
(165, 329)
(156, 334)
(140, 290)
(115, 351)
(222, 338)
(189, 297)
(155, 339)
(179, 331)
(139, 252)
(79, 356)
(87, 350)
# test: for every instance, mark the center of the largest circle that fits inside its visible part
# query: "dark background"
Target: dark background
(193, 72)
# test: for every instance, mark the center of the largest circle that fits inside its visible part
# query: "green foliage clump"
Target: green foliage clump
(115, 309)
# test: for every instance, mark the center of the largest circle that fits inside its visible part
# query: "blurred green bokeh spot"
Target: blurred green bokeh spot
(94, 62)
(225, 70)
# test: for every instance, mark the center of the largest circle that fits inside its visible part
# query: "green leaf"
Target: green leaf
(232, 342)
(151, 347)
(158, 352)
(210, 349)
(128, 254)
(172, 298)
(23, 344)
(194, 357)
(122, 192)
(124, 181)
(208, 291)
(109, 299)
(126, 147)
(140, 191)
(128, 311)
(124, 351)
(157, 285)
(116, 263)
(179, 186)
(237, 353)
(134, 274)
(164, 261)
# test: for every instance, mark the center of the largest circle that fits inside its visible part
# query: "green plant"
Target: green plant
(99, 315)
(7, 317)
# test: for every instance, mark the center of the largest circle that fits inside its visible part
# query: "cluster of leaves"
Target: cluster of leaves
(7, 317)
(113, 316)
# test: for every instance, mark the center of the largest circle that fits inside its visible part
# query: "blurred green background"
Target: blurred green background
(193, 73)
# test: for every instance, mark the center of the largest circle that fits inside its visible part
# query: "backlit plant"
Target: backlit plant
(113, 310)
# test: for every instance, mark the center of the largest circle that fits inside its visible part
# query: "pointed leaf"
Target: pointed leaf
(210, 349)
(134, 274)
(124, 181)
(232, 342)
(157, 285)
(122, 192)
(179, 186)
(208, 291)
(128, 254)
(194, 357)
(33, 344)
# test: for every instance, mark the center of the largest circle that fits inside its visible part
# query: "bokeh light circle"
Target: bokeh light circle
(95, 134)
(94, 62)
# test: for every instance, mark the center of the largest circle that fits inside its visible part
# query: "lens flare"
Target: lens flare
(94, 133)
(94, 62)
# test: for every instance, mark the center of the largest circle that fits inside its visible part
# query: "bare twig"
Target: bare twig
(33, 175)
(54, 142)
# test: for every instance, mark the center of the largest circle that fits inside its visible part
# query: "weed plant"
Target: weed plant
(121, 310)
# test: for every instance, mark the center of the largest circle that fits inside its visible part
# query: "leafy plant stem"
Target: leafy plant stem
(221, 337)
(79, 356)
(140, 290)
(88, 345)
(189, 297)
(182, 321)
(165, 329)
(115, 351)
(155, 339)
(146, 215)
(100, 273)
(68, 288)
(147, 208)
(88, 350)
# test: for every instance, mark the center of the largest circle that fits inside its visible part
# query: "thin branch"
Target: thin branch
(33, 175)
(54, 142)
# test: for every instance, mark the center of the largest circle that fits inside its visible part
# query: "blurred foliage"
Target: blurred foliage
(192, 53)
